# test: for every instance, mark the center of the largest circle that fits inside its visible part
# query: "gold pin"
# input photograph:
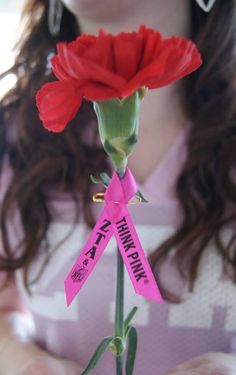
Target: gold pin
(99, 198)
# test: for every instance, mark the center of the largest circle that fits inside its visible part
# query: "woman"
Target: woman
(183, 163)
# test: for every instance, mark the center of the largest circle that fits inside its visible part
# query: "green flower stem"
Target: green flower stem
(119, 312)
(118, 123)
(119, 370)
(119, 309)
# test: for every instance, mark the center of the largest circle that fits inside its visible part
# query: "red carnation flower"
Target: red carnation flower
(105, 66)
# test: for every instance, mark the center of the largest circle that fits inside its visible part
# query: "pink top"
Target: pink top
(168, 334)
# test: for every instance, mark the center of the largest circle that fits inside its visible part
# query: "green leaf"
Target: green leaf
(127, 331)
(98, 354)
(140, 195)
(105, 178)
(95, 180)
(129, 318)
(131, 351)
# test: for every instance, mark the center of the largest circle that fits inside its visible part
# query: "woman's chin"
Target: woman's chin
(97, 9)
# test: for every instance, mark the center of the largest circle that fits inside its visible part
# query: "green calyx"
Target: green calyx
(118, 123)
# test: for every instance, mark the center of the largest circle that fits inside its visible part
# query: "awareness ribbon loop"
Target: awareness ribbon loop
(115, 220)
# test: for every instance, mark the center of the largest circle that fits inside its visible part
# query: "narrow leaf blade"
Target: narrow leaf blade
(140, 195)
(97, 355)
(105, 178)
(130, 317)
(131, 351)
(94, 179)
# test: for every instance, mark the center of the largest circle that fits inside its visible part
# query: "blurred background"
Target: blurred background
(9, 20)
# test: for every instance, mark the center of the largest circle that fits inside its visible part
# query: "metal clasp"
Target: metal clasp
(99, 198)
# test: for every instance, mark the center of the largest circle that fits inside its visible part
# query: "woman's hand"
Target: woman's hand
(207, 364)
(46, 365)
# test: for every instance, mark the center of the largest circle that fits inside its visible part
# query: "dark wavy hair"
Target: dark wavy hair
(63, 162)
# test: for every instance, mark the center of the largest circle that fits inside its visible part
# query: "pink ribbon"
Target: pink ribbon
(115, 220)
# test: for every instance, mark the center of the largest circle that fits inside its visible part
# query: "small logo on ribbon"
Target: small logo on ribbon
(79, 273)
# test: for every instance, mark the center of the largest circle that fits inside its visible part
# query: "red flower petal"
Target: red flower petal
(101, 52)
(68, 60)
(152, 41)
(128, 51)
(96, 92)
(58, 103)
(82, 69)
(177, 58)
(59, 70)
(82, 43)
(93, 72)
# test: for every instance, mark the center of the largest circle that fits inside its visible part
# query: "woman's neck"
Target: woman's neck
(162, 120)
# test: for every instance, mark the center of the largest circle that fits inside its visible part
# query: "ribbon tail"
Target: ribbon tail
(90, 254)
(134, 258)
